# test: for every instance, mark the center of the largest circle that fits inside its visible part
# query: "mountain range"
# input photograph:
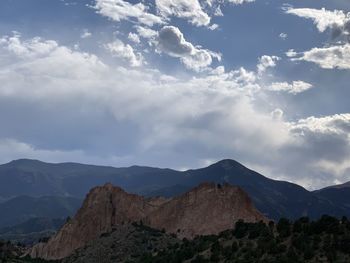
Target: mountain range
(31, 231)
(67, 183)
(22, 208)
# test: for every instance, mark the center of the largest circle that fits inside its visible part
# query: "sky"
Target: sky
(179, 84)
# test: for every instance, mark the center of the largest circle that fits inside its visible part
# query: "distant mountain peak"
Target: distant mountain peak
(24, 161)
(227, 164)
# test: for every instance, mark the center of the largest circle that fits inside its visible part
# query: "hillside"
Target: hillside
(302, 241)
(124, 244)
(22, 208)
(339, 195)
(31, 231)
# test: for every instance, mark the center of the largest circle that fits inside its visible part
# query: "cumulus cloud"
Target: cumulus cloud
(127, 114)
(120, 116)
(134, 37)
(118, 10)
(327, 57)
(325, 144)
(196, 12)
(30, 48)
(338, 21)
(125, 52)
(172, 42)
(338, 124)
(146, 32)
(294, 88)
(244, 76)
(188, 9)
(322, 18)
(266, 62)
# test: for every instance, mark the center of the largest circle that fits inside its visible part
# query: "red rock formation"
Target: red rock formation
(207, 209)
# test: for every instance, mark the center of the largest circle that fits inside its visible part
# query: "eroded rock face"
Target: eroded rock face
(207, 209)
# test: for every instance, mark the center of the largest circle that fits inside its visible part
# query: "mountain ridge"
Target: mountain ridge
(22, 208)
(274, 198)
(223, 163)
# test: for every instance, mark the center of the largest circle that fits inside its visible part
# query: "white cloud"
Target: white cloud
(134, 37)
(338, 21)
(146, 32)
(327, 57)
(243, 76)
(220, 70)
(188, 9)
(121, 116)
(44, 56)
(198, 61)
(218, 11)
(325, 146)
(31, 48)
(85, 34)
(294, 88)
(196, 12)
(291, 53)
(277, 114)
(338, 124)
(239, 2)
(266, 62)
(118, 10)
(128, 113)
(283, 36)
(322, 18)
(125, 52)
(214, 27)
(172, 42)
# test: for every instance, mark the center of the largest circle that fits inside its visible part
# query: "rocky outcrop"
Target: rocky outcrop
(207, 209)
(103, 208)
